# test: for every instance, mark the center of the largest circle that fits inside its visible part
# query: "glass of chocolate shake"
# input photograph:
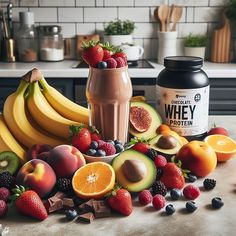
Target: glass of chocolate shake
(108, 93)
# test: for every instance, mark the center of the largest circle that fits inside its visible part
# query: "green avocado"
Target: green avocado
(146, 167)
(160, 144)
(155, 122)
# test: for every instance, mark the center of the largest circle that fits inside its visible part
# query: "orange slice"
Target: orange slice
(93, 180)
(224, 146)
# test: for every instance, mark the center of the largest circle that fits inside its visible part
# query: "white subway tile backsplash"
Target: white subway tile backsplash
(190, 14)
(16, 11)
(85, 28)
(100, 28)
(189, 3)
(145, 30)
(184, 29)
(70, 14)
(100, 14)
(55, 3)
(68, 30)
(85, 3)
(218, 2)
(99, 3)
(118, 3)
(134, 14)
(29, 3)
(151, 3)
(44, 14)
(207, 14)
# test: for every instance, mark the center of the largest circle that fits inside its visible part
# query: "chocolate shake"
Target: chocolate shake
(108, 92)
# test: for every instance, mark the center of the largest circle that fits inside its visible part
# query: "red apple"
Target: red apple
(218, 130)
(65, 160)
(38, 176)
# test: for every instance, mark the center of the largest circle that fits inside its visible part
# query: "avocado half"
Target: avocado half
(138, 186)
(156, 121)
(171, 151)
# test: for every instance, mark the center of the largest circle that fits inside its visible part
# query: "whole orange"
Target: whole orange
(198, 157)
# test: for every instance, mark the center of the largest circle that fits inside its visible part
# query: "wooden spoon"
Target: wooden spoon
(163, 15)
(176, 16)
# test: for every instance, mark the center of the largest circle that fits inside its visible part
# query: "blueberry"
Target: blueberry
(100, 153)
(191, 178)
(217, 202)
(118, 142)
(91, 152)
(175, 194)
(94, 145)
(159, 174)
(170, 210)
(119, 148)
(111, 142)
(71, 214)
(191, 206)
(102, 65)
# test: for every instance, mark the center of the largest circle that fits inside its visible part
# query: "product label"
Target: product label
(184, 110)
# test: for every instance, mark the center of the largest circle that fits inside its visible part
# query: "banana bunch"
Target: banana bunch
(32, 115)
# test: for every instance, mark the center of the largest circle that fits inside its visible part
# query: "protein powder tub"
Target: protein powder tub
(183, 96)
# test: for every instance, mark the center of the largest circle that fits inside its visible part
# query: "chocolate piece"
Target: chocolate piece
(87, 217)
(60, 195)
(53, 204)
(101, 209)
(88, 206)
(68, 202)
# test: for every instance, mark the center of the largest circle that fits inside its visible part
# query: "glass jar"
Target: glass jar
(183, 96)
(51, 43)
(27, 38)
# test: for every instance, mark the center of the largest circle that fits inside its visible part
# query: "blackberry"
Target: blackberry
(7, 180)
(209, 184)
(64, 184)
(159, 188)
(159, 174)
(152, 153)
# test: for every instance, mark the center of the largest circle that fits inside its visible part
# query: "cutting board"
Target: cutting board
(86, 38)
(221, 39)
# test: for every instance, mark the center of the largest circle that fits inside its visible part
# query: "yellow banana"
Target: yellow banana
(9, 143)
(45, 115)
(18, 124)
(63, 105)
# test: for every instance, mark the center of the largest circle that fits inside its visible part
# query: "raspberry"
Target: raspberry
(158, 201)
(160, 161)
(191, 192)
(209, 184)
(108, 148)
(4, 194)
(100, 143)
(3, 208)
(120, 62)
(145, 197)
(111, 63)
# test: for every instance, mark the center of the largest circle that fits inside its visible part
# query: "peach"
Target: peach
(218, 130)
(38, 176)
(65, 160)
(198, 157)
(36, 149)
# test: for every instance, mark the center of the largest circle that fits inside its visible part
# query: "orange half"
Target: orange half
(224, 146)
(93, 180)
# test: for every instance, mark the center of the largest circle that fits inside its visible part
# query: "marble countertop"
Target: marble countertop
(64, 69)
(147, 221)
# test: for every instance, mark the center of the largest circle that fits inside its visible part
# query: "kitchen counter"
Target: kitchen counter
(64, 69)
(145, 220)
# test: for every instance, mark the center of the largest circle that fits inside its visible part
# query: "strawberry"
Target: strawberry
(120, 53)
(92, 53)
(95, 136)
(172, 176)
(29, 203)
(107, 51)
(120, 200)
(141, 147)
(80, 137)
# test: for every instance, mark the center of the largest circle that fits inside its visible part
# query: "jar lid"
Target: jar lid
(26, 18)
(50, 29)
(183, 62)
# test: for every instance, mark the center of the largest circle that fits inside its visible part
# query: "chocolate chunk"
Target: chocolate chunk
(60, 195)
(87, 217)
(88, 206)
(68, 202)
(101, 209)
(53, 204)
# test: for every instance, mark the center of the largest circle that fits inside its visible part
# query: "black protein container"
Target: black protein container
(183, 96)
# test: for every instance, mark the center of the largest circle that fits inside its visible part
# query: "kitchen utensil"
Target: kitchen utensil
(9, 16)
(133, 52)
(162, 15)
(8, 50)
(170, 9)
(5, 26)
(86, 38)
(220, 51)
(176, 16)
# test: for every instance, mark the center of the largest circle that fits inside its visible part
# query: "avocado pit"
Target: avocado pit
(166, 142)
(134, 170)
